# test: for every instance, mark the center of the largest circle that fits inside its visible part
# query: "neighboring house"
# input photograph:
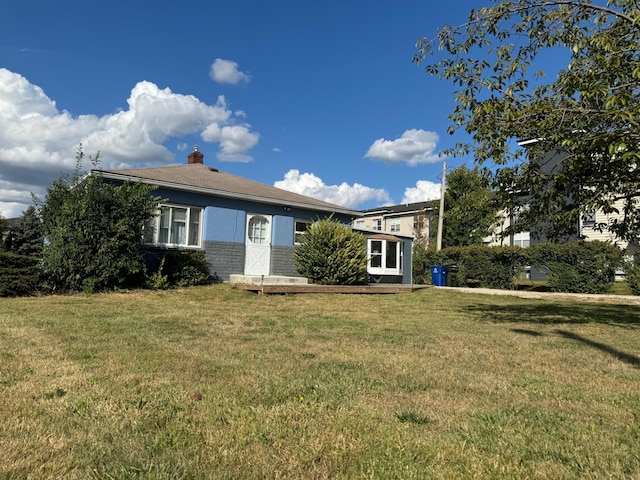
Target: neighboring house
(410, 219)
(586, 227)
(243, 227)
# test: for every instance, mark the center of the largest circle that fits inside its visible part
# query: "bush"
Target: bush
(330, 253)
(632, 272)
(422, 259)
(578, 267)
(93, 231)
(19, 274)
(474, 266)
(181, 269)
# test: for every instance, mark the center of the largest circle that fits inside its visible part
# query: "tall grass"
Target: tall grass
(213, 382)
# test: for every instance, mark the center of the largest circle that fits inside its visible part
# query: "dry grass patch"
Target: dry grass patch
(213, 381)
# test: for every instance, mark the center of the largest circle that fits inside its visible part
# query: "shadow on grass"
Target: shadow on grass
(628, 358)
(549, 314)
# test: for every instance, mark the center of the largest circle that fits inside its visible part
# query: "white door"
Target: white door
(258, 245)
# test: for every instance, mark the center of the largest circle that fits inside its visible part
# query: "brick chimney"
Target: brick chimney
(196, 156)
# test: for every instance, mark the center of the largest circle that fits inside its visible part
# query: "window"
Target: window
(257, 230)
(301, 226)
(589, 219)
(377, 224)
(395, 224)
(375, 253)
(521, 239)
(385, 256)
(175, 226)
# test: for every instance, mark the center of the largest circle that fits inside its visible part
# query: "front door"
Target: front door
(258, 245)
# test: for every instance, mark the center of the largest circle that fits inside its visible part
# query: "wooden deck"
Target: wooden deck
(379, 288)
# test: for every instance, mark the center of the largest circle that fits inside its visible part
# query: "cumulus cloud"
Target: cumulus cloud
(38, 141)
(414, 147)
(423, 191)
(226, 71)
(344, 194)
(234, 141)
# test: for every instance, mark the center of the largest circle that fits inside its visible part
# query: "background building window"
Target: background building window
(377, 224)
(589, 219)
(395, 224)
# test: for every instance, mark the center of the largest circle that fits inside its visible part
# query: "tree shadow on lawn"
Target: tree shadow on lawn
(628, 358)
(624, 316)
(627, 316)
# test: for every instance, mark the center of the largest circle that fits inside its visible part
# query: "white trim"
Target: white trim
(155, 224)
(383, 269)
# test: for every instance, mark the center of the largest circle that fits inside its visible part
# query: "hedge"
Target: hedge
(579, 267)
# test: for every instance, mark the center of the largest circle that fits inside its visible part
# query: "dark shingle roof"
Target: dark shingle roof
(203, 179)
(403, 208)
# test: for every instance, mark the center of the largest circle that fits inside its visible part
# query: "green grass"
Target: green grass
(213, 382)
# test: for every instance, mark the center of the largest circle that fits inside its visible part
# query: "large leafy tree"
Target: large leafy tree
(589, 110)
(470, 212)
(93, 231)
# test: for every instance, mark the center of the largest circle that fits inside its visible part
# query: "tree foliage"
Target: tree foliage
(93, 231)
(469, 213)
(19, 274)
(330, 253)
(590, 109)
(3, 228)
(26, 237)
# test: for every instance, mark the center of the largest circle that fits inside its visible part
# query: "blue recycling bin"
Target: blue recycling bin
(439, 275)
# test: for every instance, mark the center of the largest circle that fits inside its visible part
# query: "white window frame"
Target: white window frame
(394, 224)
(297, 233)
(383, 269)
(167, 218)
(377, 224)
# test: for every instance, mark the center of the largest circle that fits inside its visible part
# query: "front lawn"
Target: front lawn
(213, 382)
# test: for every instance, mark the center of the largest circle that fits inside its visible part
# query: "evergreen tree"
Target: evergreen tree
(26, 237)
(3, 228)
(330, 253)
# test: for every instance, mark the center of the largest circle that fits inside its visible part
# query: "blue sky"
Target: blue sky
(317, 97)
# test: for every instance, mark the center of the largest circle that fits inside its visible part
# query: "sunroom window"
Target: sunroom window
(175, 226)
(385, 256)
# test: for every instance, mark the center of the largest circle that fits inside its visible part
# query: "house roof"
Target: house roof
(200, 178)
(398, 209)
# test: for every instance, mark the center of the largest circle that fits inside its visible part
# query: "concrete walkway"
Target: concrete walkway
(593, 298)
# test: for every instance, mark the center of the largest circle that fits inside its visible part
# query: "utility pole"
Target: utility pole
(441, 212)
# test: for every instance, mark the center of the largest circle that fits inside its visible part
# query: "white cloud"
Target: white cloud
(344, 194)
(38, 141)
(234, 141)
(414, 147)
(226, 71)
(423, 191)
